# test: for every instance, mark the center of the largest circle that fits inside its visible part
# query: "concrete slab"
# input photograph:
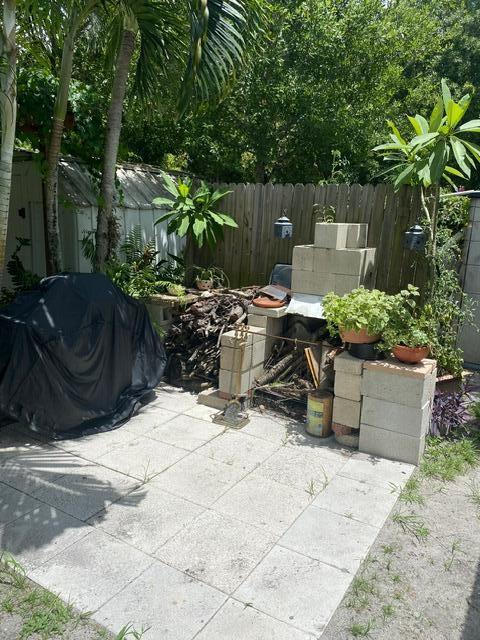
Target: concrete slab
(92, 570)
(367, 503)
(173, 399)
(339, 541)
(13, 443)
(84, 493)
(171, 604)
(199, 479)
(235, 621)
(301, 468)
(40, 534)
(147, 517)
(186, 432)
(378, 471)
(148, 419)
(94, 446)
(241, 449)
(202, 412)
(268, 505)
(216, 549)
(295, 589)
(274, 430)
(14, 504)
(142, 457)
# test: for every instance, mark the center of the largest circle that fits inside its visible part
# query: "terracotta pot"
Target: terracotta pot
(268, 303)
(410, 355)
(204, 285)
(358, 337)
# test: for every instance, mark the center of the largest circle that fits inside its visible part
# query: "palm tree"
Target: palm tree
(220, 32)
(72, 16)
(8, 113)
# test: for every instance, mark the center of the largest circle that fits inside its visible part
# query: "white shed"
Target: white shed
(138, 185)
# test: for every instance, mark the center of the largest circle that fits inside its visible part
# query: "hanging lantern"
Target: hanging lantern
(283, 228)
(415, 238)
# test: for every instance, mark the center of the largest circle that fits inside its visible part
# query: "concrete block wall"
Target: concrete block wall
(272, 320)
(347, 404)
(339, 260)
(469, 339)
(242, 356)
(396, 407)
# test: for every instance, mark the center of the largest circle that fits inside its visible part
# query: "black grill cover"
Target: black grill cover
(76, 356)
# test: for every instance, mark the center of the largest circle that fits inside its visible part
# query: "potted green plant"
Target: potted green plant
(204, 279)
(410, 332)
(359, 317)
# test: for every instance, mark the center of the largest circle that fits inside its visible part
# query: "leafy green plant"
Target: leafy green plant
(192, 211)
(447, 459)
(360, 309)
(474, 409)
(22, 279)
(407, 324)
(218, 277)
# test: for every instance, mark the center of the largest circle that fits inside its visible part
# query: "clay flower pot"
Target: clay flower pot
(358, 337)
(204, 285)
(410, 355)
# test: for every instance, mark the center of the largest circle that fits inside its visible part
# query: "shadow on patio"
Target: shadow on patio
(471, 624)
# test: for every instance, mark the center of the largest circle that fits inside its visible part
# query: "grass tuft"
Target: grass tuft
(448, 459)
(359, 630)
(411, 523)
(410, 494)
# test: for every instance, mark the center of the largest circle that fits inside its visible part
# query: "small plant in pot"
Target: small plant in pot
(359, 317)
(208, 278)
(410, 331)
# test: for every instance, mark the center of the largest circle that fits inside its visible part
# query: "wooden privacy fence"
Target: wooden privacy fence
(249, 252)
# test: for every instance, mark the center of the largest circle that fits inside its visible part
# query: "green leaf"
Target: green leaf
(446, 95)
(199, 226)
(404, 176)
(416, 125)
(471, 125)
(184, 225)
(473, 148)
(169, 184)
(437, 161)
(397, 133)
(183, 189)
(460, 153)
(454, 172)
(455, 113)
(424, 139)
(423, 123)
(228, 221)
(164, 217)
(162, 202)
(436, 116)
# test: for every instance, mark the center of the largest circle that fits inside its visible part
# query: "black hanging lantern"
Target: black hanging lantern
(415, 238)
(283, 227)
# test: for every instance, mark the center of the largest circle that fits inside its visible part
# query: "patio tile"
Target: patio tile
(216, 549)
(38, 535)
(186, 432)
(241, 449)
(295, 589)
(237, 622)
(273, 429)
(202, 412)
(333, 539)
(368, 503)
(172, 399)
(269, 505)
(15, 441)
(94, 446)
(92, 570)
(31, 471)
(84, 493)
(141, 457)
(379, 471)
(201, 480)
(147, 517)
(142, 423)
(14, 504)
(174, 606)
(302, 469)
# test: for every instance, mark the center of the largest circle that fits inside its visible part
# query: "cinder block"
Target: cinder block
(346, 412)
(348, 364)
(211, 398)
(411, 421)
(280, 312)
(238, 383)
(388, 444)
(357, 236)
(409, 385)
(331, 235)
(312, 283)
(236, 339)
(351, 262)
(348, 386)
(302, 257)
(242, 359)
(345, 284)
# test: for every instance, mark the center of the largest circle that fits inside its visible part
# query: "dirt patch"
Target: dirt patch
(422, 577)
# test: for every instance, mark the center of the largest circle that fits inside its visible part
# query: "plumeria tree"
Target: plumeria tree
(441, 150)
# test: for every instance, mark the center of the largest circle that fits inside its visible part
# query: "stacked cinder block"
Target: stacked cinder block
(347, 404)
(241, 361)
(396, 408)
(272, 320)
(339, 260)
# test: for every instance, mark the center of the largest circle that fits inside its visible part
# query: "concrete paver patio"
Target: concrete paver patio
(194, 531)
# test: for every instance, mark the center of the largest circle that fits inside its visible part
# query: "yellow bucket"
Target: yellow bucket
(319, 413)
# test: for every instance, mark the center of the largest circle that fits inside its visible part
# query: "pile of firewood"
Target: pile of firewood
(193, 342)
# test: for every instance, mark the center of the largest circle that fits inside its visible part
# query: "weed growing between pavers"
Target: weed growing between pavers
(446, 459)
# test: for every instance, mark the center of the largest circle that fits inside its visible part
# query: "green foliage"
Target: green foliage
(437, 145)
(446, 459)
(474, 409)
(218, 277)
(22, 279)
(360, 309)
(192, 211)
(407, 324)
